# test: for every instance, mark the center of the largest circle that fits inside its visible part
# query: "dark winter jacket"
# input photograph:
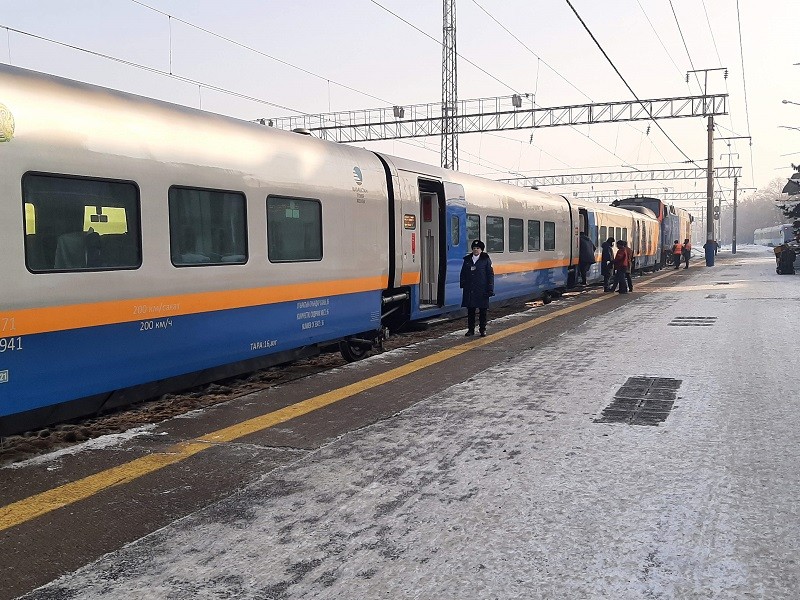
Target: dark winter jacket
(477, 281)
(587, 250)
(608, 252)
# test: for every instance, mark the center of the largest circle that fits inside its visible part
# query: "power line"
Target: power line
(661, 41)
(461, 56)
(524, 45)
(674, 14)
(630, 89)
(438, 42)
(157, 71)
(259, 52)
(744, 85)
(493, 18)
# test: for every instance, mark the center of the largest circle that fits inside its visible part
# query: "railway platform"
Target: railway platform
(603, 446)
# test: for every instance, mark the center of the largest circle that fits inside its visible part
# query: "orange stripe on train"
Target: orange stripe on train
(60, 318)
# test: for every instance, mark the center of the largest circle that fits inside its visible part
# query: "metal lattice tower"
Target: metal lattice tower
(449, 88)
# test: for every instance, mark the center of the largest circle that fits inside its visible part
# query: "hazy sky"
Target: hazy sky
(360, 45)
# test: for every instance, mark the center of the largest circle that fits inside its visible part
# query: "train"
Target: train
(674, 223)
(150, 247)
(774, 236)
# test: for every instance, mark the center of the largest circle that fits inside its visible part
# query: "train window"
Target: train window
(516, 235)
(294, 229)
(603, 233)
(473, 227)
(625, 233)
(80, 224)
(495, 234)
(455, 231)
(619, 234)
(534, 236)
(206, 227)
(549, 235)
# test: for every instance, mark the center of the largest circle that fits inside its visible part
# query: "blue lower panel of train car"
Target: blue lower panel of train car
(51, 368)
(507, 286)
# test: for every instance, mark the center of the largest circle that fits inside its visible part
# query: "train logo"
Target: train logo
(7, 124)
(358, 176)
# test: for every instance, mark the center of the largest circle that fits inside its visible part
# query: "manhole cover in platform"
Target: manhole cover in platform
(642, 401)
(693, 321)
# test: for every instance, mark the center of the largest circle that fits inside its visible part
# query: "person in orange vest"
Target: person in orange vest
(677, 252)
(687, 252)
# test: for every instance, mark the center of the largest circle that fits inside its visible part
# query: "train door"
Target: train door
(432, 230)
(457, 242)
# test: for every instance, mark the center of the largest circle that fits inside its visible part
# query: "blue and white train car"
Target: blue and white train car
(638, 226)
(150, 247)
(773, 236)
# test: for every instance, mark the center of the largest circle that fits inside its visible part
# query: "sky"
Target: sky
(313, 56)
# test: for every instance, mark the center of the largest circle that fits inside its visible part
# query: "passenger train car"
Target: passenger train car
(150, 247)
(674, 223)
(773, 236)
(639, 228)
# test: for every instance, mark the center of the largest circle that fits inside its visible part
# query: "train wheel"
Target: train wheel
(352, 352)
(547, 298)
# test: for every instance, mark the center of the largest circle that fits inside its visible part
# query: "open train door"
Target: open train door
(443, 242)
(432, 243)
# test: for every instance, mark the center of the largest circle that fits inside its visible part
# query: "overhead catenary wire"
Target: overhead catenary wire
(438, 42)
(630, 89)
(744, 85)
(540, 59)
(136, 65)
(259, 52)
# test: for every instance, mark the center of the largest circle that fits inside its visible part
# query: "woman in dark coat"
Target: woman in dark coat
(477, 281)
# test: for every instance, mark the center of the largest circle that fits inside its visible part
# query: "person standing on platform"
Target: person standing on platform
(477, 281)
(620, 268)
(585, 256)
(687, 252)
(629, 268)
(677, 253)
(607, 262)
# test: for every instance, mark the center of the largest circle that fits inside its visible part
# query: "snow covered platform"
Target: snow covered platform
(648, 449)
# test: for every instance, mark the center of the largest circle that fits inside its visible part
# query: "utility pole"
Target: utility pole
(733, 235)
(710, 181)
(735, 185)
(449, 88)
(709, 247)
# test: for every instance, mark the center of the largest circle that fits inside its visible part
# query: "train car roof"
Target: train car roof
(59, 114)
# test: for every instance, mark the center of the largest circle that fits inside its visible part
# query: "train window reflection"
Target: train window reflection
(206, 227)
(516, 239)
(455, 231)
(79, 224)
(534, 236)
(549, 235)
(473, 227)
(294, 229)
(495, 234)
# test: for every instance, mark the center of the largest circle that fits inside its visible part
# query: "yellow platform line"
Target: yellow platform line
(37, 505)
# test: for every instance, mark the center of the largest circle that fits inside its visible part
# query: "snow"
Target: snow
(504, 487)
